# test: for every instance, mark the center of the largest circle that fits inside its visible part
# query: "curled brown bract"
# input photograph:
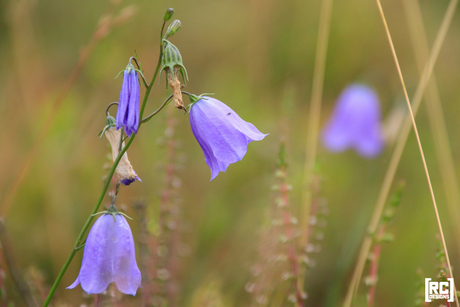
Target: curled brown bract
(176, 87)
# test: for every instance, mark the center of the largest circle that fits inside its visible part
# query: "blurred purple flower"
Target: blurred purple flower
(355, 123)
(109, 257)
(221, 133)
(128, 104)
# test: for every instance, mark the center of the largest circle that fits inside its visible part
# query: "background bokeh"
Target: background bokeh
(256, 56)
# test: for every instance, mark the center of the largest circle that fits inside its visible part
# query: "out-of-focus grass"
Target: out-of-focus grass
(248, 53)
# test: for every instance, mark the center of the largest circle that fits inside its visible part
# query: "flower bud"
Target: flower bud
(173, 27)
(169, 13)
(128, 104)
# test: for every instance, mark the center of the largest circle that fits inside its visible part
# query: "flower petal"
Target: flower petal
(132, 117)
(96, 271)
(126, 274)
(335, 136)
(370, 144)
(123, 101)
(215, 165)
(75, 283)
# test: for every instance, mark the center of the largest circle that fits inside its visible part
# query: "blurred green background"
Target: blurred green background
(257, 57)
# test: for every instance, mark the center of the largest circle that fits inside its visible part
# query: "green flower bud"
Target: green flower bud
(173, 27)
(169, 13)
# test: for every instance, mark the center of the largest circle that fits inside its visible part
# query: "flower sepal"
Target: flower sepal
(172, 58)
(130, 67)
(195, 98)
(113, 211)
(110, 122)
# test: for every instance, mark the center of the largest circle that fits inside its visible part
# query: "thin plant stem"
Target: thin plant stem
(396, 157)
(435, 116)
(291, 248)
(107, 183)
(158, 110)
(315, 114)
(313, 124)
(374, 267)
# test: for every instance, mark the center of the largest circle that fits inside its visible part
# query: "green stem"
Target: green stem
(106, 185)
(149, 88)
(158, 110)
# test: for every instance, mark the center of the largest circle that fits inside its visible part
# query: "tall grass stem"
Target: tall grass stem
(314, 122)
(435, 116)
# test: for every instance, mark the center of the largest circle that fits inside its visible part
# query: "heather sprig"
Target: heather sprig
(169, 248)
(276, 275)
(381, 236)
(442, 275)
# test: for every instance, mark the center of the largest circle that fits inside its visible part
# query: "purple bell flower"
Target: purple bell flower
(109, 257)
(128, 104)
(355, 123)
(221, 133)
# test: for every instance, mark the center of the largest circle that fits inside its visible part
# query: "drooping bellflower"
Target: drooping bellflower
(124, 170)
(355, 123)
(128, 104)
(109, 256)
(221, 133)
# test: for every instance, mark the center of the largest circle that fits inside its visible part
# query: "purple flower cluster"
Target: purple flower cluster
(221, 133)
(355, 123)
(109, 256)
